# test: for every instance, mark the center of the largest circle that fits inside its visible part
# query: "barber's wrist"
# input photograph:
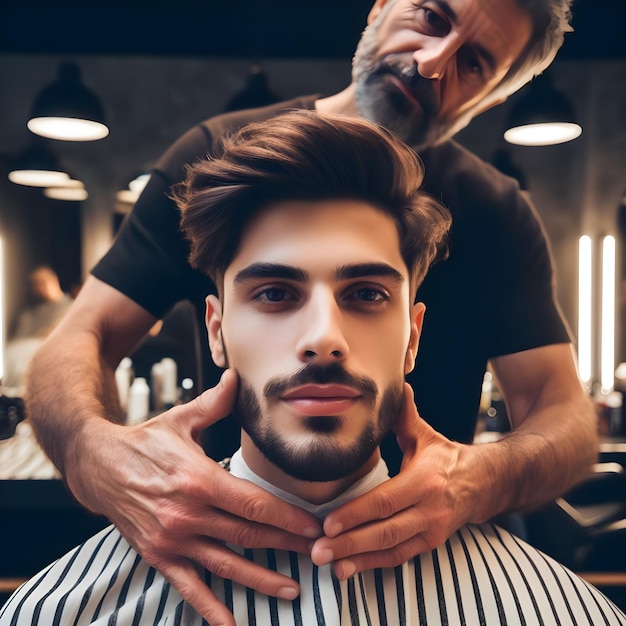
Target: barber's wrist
(482, 474)
(83, 442)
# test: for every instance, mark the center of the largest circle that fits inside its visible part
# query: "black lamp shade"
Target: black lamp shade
(256, 92)
(65, 102)
(37, 166)
(542, 116)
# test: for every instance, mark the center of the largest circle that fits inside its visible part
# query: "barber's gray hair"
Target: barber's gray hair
(551, 20)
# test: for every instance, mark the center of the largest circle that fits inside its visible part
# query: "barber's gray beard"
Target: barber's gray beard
(377, 103)
(320, 459)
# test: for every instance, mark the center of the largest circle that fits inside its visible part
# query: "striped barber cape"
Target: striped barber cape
(481, 575)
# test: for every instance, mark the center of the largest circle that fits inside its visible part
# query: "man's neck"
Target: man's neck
(315, 493)
(342, 103)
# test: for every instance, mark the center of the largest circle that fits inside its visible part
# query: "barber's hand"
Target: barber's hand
(409, 514)
(176, 506)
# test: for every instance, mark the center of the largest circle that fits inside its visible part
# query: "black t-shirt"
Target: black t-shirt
(494, 295)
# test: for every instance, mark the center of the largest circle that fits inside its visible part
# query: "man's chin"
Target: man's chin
(393, 110)
(405, 100)
(322, 424)
(320, 459)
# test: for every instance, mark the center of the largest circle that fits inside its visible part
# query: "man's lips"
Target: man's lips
(409, 95)
(317, 400)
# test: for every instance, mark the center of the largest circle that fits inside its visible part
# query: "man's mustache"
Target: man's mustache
(315, 374)
(405, 69)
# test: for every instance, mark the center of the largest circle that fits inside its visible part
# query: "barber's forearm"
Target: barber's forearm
(544, 456)
(68, 386)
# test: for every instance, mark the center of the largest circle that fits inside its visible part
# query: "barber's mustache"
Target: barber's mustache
(316, 374)
(405, 69)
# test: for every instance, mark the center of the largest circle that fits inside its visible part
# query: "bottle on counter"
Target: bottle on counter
(156, 385)
(138, 401)
(169, 379)
(124, 377)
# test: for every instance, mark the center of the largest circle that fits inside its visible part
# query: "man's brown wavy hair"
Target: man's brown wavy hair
(307, 156)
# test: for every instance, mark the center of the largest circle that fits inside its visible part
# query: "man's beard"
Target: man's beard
(380, 101)
(320, 458)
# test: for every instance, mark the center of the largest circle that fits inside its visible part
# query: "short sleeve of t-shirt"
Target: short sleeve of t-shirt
(498, 245)
(148, 259)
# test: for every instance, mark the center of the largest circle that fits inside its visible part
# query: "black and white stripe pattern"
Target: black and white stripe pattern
(482, 575)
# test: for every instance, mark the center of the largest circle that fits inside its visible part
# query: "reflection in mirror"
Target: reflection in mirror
(621, 279)
(47, 303)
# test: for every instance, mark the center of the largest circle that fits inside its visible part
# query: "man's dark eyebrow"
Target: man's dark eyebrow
(444, 7)
(270, 270)
(489, 59)
(256, 271)
(362, 270)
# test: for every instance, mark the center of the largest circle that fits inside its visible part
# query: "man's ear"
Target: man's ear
(375, 10)
(213, 322)
(417, 321)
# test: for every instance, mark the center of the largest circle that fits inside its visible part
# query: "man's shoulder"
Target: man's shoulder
(459, 177)
(198, 141)
(233, 120)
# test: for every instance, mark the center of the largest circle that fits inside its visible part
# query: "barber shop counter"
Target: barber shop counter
(39, 519)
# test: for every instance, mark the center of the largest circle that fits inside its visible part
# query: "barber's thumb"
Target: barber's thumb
(409, 425)
(212, 405)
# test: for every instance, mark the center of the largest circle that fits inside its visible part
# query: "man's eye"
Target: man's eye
(431, 23)
(368, 294)
(272, 294)
(472, 64)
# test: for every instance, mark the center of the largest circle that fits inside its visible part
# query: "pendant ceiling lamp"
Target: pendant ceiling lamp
(37, 166)
(71, 190)
(542, 116)
(256, 92)
(135, 187)
(67, 110)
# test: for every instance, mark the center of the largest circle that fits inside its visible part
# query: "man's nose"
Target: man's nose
(435, 57)
(322, 339)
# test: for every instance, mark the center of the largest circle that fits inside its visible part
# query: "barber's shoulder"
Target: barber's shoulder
(188, 148)
(199, 141)
(234, 120)
(463, 181)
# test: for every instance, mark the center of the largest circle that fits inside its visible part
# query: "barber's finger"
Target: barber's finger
(209, 407)
(382, 535)
(385, 500)
(345, 568)
(228, 565)
(291, 530)
(410, 429)
(183, 576)
(247, 534)
(245, 500)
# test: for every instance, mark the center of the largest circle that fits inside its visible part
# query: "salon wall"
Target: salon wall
(150, 101)
(578, 186)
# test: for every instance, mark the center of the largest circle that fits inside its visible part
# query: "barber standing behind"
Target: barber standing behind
(423, 69)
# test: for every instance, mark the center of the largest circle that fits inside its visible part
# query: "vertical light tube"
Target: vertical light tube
(1, 311)
(607, 363)
(585, 304)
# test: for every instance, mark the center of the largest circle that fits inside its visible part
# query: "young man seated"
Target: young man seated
(317, 236)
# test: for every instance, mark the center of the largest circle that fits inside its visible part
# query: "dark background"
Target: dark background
(265, 28)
